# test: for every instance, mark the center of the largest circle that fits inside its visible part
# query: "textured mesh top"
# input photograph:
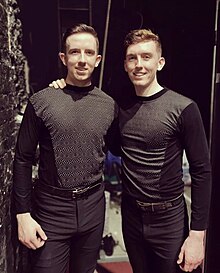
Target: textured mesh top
(154, 132)
(70, 126)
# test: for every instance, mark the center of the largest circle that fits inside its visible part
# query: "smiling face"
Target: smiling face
(142, 62)
(81, 58)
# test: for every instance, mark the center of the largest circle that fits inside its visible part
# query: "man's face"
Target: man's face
(81, 58)
(142, 62)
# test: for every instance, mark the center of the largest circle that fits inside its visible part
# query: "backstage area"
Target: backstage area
(30, 44)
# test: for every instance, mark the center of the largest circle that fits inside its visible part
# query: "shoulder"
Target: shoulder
(106, 101)
(104, 96)
(44, 92)
(178, 98)
(175, 100)
(45, 99)
(186, 108)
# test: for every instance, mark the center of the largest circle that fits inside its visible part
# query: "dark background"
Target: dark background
(186, 29)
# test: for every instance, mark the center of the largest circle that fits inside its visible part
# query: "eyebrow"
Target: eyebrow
(142, 53)
(77, 49)
(131, 54)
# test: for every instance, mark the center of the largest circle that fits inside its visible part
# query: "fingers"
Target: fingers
(33, 242)
(186, 265)
(54, 84)
(191, 254)
(62, 83)
(28, 244)
(41, 234)
(39, 240)
(33, 238)
(30, 232)
(189, 267)
(58, 84)
(180, 257)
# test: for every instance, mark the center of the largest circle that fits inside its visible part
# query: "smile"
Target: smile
(139, 74)
(81, 69)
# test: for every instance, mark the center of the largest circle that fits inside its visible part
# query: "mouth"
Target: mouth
(81, 69)
(139, 74)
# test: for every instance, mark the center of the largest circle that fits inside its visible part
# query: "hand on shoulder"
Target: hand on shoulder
(60, 83)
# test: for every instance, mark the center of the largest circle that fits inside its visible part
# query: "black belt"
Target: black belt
(75, 193)
(152, 207)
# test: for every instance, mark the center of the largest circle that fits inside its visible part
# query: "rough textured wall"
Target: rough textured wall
(12, 95)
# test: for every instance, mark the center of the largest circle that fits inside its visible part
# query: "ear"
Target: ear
(62, 57)
(98, 60)
(161, 63)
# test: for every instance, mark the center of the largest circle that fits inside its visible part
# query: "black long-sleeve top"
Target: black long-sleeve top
(154, 132)
(72, 127)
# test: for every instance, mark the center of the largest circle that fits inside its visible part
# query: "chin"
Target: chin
(82, 78)
(138, 83)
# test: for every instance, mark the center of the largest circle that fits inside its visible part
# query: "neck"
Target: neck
(149, 90)
(83, 83)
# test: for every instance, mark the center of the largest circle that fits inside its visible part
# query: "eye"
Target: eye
(90, 52)
(73, 51)
(146, 57)
(131, 58)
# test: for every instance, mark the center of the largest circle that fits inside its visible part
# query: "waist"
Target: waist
(155, 206)
(73, 193)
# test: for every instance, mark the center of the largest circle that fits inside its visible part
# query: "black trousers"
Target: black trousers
(153, 239)
(74, 229)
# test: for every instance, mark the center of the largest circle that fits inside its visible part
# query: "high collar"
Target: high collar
(152, 97)
(84, 89)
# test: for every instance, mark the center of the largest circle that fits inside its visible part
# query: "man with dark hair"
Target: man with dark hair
(72, 127)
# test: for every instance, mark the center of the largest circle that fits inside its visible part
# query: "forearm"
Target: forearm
(200, 195)
(24, 155)
(22, 195)
(195, 144)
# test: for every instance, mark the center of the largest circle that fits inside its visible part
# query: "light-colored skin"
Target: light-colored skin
(81, 58)
(192, 252)
(60, 83)
(142, 62)
(30, 232)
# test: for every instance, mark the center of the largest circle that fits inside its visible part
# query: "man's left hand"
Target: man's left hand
(192, 251)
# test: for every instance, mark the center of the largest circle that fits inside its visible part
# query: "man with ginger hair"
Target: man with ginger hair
(155, 130)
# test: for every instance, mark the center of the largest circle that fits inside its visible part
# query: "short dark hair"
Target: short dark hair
(141, 35)
(79, 28)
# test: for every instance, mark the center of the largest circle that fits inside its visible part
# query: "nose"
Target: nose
(82, 58)
(139, 62)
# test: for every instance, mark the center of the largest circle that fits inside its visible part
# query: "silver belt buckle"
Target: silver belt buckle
(78, 191)
(143, 204)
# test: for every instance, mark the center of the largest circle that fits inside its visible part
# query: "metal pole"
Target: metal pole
(90, 12)
(104, 44)
(213, 76)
